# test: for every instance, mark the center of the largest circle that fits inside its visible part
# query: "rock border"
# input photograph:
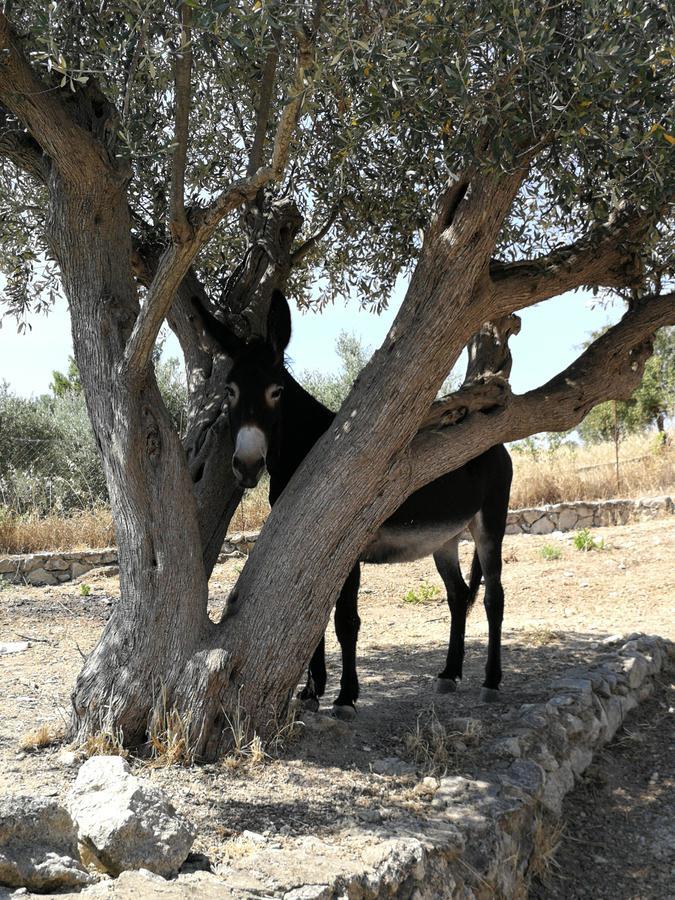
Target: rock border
(483, 835)
(56, 567)
(483, 839)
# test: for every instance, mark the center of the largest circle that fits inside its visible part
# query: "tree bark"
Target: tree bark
(160, 621)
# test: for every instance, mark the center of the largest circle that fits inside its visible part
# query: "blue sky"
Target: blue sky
(549, 340)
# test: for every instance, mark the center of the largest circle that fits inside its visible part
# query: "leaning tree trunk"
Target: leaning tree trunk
(160, 620)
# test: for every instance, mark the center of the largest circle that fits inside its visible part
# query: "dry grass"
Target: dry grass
(30, 534)
(44, 736)
(254, 508)
(646, 468)
(250, 751)
(436, 747)
(546, 837)
(105, 742)
(169, 738)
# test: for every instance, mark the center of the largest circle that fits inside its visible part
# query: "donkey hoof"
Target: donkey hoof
(446, 685)
(311, 704)
(490, 695)
(347, 713)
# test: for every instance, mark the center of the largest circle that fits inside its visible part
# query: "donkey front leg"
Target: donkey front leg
(316, 678)
(347, 625)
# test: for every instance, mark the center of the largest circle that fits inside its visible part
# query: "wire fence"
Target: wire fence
(48, 476)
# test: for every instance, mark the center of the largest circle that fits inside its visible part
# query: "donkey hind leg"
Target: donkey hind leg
(489, 549)
(447, 563)
(316, 678)
(347, 625)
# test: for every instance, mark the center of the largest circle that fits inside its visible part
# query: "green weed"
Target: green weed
(584, 540)
(423, 594)
(550, 551)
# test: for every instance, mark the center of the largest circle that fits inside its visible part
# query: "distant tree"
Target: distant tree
(332, 388)
(172, 386)
(650, 404)
(49, 460)
(68, 383)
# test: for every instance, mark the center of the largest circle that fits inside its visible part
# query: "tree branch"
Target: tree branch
(178, 258)
(611, 368)
(314, 239)
(255, 159)
(179, 226)
(39, 107)
(23, 150)
(607, 257)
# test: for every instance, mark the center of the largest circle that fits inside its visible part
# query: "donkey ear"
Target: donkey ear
(278, 323)
(227, 340)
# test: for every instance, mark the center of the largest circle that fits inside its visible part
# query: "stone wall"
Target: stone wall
(585, 514)
(54, 567)
(60, 566)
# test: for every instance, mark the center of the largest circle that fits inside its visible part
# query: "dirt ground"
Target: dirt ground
(618, 840)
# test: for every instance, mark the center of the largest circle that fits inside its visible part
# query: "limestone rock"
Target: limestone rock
(38, 845)
(126, 823)
(542, 526)
(40, 576)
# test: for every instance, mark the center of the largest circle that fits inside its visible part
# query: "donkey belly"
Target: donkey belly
(404, 543)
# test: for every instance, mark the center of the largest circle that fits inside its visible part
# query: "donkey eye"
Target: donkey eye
(232, 392)
(273, 393)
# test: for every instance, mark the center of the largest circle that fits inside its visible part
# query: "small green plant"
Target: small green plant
(550, 551)
(5, 585)
(85, 590)
(424, 594)
(584, 540)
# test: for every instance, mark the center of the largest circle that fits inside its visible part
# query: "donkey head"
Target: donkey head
(254, 388)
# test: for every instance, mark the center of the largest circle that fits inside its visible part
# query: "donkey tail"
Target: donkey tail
(474, 580)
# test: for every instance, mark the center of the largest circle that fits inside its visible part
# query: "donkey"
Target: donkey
(275, 423)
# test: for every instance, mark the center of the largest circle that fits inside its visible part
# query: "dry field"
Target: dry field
(647, 468)
(310, 794)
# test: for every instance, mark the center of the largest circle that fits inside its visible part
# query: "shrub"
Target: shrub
(584, 540)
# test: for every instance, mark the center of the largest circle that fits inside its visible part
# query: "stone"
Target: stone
(636, 668)
(78, 568)
(126, 823)
(392, 765)
(9, 565)
(567, 519)
(68, 758)
(38, 846)
(526, 775)
(56, 563)
(557, 784)
(530, 516)
(542, 526)
(580, 759)
(40, 577)
(505, 747)
(7, 647)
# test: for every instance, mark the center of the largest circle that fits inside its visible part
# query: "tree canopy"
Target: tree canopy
(401, 96)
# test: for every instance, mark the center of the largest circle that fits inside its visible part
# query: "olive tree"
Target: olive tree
(500, 153)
